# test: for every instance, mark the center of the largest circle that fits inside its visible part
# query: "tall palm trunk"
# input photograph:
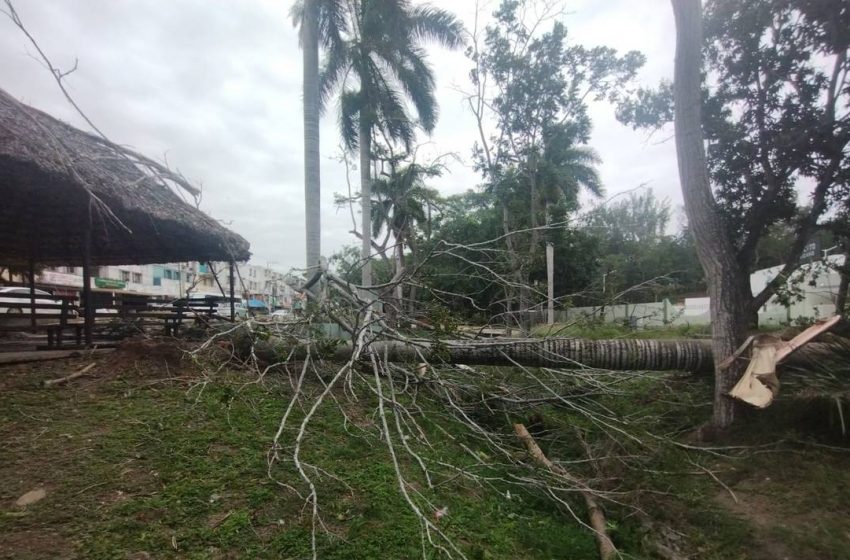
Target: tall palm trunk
(365, 143)
(728, 293)
(312, 181)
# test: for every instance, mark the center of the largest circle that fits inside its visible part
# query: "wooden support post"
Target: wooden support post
(31, 273)
(88, 304)
(215, 276)
(232, 294)
(550, 277)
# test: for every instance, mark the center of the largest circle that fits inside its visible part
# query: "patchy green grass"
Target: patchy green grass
(137, 466)
(134, 467)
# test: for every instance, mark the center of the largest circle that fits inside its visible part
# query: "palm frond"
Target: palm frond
(417, 80)
(350, 104)
(333, 23)
(433, 24)
(332, 77)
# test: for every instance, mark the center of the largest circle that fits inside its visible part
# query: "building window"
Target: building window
(137, 277)
(70, 270)
(157, 281)
(125, 275)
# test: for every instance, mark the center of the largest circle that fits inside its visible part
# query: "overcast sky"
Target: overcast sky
(214, 86)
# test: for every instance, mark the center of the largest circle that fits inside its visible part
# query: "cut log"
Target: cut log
(607, 550)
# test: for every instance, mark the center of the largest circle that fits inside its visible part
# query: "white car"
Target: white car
(223, 309)
(25, 302)
(282, 316)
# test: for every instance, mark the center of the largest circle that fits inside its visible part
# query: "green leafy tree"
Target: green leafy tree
(533, 87)
(773, 110)
(461, 266)
(776, 92)
(639, 259)
(379, 65)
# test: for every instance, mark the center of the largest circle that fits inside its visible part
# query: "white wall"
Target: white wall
(818, 282)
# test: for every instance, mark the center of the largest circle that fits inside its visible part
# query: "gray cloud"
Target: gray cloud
(214, 86)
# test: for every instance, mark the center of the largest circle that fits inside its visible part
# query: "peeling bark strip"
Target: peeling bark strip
(759, 384)
(594, 510)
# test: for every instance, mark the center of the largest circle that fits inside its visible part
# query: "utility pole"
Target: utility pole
(550, 277)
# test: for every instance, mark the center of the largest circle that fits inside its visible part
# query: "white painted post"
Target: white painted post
(550, 277)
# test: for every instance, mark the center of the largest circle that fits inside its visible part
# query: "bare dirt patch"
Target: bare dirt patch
(35, 543)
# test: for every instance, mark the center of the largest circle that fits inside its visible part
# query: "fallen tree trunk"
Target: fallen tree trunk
(573, 353)
(562, 353)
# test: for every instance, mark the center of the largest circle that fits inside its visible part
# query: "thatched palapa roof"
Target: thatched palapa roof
(54, 179)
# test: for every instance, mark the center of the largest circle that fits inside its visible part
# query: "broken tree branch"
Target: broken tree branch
(60, 380)
(607, 550)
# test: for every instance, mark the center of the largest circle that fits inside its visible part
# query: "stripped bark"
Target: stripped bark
(607, 550)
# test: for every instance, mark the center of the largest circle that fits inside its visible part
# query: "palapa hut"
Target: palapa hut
(74, 198)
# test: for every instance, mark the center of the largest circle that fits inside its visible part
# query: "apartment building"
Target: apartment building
(174, 280)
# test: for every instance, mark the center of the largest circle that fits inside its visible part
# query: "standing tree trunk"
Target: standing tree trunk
(550, 283)
(841, 297)
(728, 293)
(312, 182)
(365, 143)
(844, 284)
(399, 270)
(414, 264)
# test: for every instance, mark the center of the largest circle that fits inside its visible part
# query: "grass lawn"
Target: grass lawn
(140, 462)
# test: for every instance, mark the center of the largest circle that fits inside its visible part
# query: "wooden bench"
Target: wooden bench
(53, 318)
(170, 316)
(55, 332)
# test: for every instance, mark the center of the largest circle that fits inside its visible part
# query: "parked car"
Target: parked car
(282, 316)
(239, 308)
(41, 297)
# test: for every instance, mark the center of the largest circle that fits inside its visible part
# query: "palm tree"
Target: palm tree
(401, 202)
(566, 169)
(318, 21)
(379, 66)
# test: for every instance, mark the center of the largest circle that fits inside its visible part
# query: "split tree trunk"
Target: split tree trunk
(312, 182)
(365, 143)
(729, 297)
